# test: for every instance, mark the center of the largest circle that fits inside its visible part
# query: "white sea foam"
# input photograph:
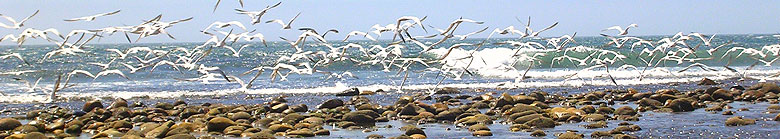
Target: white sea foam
(538, 79)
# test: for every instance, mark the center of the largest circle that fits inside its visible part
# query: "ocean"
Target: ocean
(493, 65)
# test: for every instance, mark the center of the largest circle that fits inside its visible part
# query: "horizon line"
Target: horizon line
(363, 39)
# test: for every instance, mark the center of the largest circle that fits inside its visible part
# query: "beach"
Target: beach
(656, 112)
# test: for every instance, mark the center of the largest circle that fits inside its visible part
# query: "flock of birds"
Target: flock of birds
(307, 59)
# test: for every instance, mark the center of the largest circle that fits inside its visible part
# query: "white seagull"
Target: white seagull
(109, 72)
(14, 55)
(92, 17)
(620, 30)
(341, 76)
(15, 24)
(284, 25)
(218, 1)
(225, 24)
(359, 33)
(103, 66)
(416, 20)
(256, 15)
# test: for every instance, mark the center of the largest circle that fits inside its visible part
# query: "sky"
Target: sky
(587, 18)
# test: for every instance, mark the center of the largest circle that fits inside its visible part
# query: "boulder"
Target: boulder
(541, 122)
(594, 117)
(413, 130)
(160, 131)
(448, 115)
(240, 115)
(570, 135)
(722, 94)
(330, 104)
(119, 102)
(180, 136)
(524, 99)
(773, 107)
(505, 99)
(301, 133)
(482, 133)
(375, 136)
(447, 90)
(527, 118)
(35, 135)
(777, 117)
(475, 119)
(600, 124)
(707, 81)
(121, 124)
(322, 132)
(765, 87)
(750, 95)
(598, 134)
(92, 105)
(9, 123)
(625, 110)
(261, 135)
(218, 124)
(650, 103)
(280, 127)
(349, 92)
(409, 109)
(358, 118)
(538, 133)
(278, 108)
(478, 127)
(680, 105)
(108, 133)
(164, 105)
(739, 121)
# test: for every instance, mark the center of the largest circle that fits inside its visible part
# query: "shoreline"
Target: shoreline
(622, 113)
(577, 86)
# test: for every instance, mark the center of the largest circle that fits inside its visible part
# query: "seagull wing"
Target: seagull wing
(110, 13)
(237, 24)
(25, 19)
(293, 19)
(276, 21)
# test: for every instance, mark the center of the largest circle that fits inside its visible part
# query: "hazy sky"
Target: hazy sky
(585, 17)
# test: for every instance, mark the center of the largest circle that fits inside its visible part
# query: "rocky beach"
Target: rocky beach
(708, 109)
